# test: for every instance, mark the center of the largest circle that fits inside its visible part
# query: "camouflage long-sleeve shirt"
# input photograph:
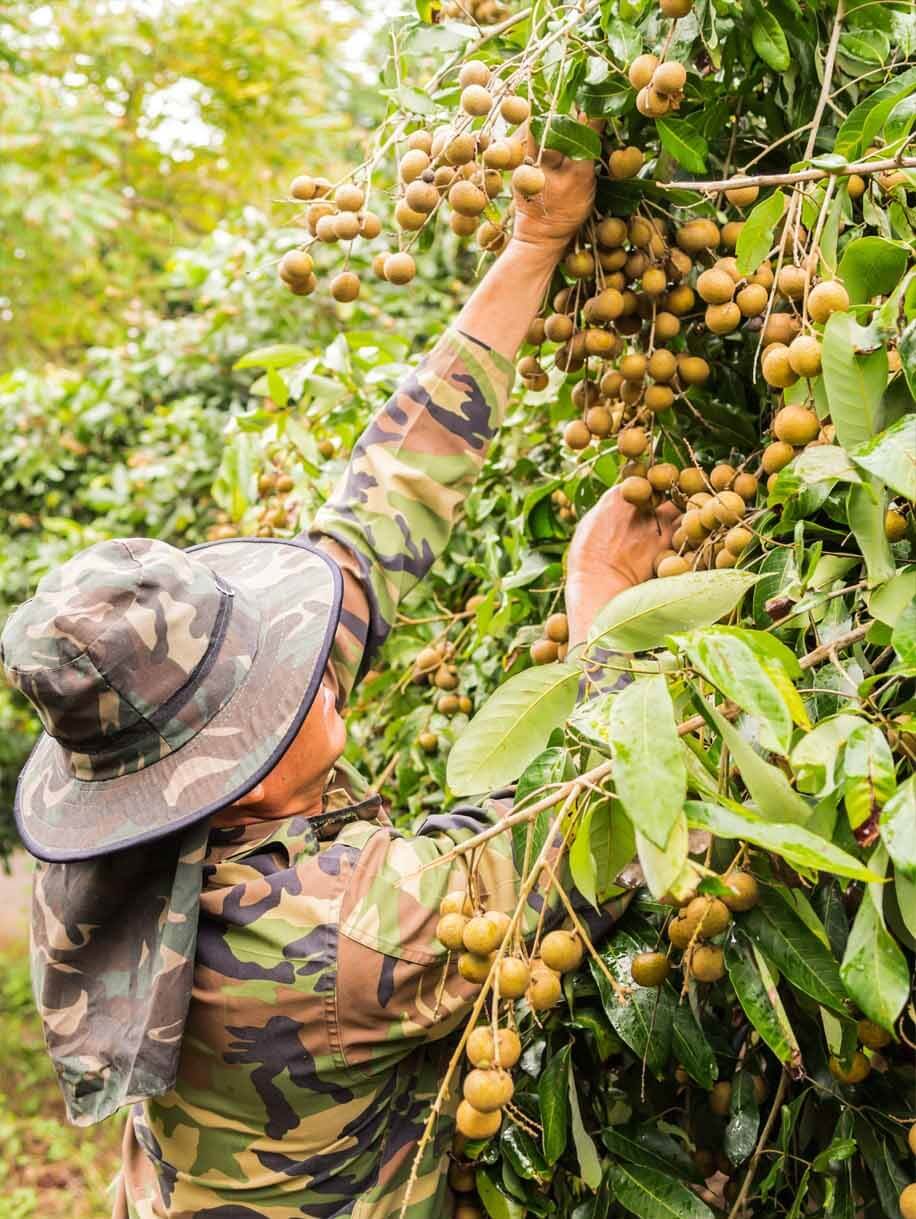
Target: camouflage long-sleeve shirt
(312, 1050)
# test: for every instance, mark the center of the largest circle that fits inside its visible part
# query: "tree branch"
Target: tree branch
(863, 168)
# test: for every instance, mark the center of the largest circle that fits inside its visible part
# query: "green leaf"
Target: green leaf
(870, 267)
(512, 728)
(691, 1048)
(874, 969)
(681, 139)
(903, 639)
(277, 387)
(866, 120)
(865, 510)
(523, 1154)
(566, 135)
(854, 382)
(662, 866)
(582, 865)
(279, 355)
(756, 237)
(726, 660)
(898, 828)
(769, 41)
(795, 950)
(759, 997)
(613, 845)
(824, 463)
(550, 767)
(497, 1204)
(744, 1118)
(891, 455)
(411, 99)
(770, 790)
(654, 1195)
(880, 1156)
(645, 1020)
(649, 772)
(793, 843)
(815, 756)
(553, 1100)
(642, 617)
(648, 1147)
(868, 765)
(888, 602)
(589, 1164)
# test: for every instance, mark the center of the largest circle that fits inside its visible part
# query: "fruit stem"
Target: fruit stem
(862, 168)
(761, 1142)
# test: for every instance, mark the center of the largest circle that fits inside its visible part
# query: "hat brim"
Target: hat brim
(298, 591)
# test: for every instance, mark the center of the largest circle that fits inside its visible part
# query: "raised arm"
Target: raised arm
(391, 515)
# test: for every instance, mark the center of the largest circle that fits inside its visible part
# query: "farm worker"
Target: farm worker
(229, 935)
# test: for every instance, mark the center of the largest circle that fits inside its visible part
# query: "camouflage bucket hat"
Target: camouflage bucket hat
(168, 682)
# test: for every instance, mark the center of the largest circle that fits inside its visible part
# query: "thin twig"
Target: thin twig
(761, 1143)
(862, 168)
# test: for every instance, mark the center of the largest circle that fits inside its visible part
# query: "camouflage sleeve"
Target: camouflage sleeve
(396, 983)
(391, 514)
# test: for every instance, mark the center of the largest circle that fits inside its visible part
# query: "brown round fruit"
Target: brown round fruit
(720, 1097)
(709, 916)
(780, 328)
(716, 286)
(476, 100)
(399, 268)
(461, 1177)
(672, 565)
(557, 628)
(456, 902)
(544, 651)
(791, 282)
(669, 77)
(723, 319)
(742, 196)
(626, 162)
(637, 491)
(698, 235)
(777, 367)
(873, 1035)
(483, 1051)
(776, 457)
(599, 421)
(692, 370)
(675, 8)
(475, 1125)
(895, 525)
(680, 932)
(474, 968)
(911, 1138)
(737, 540)
(707, 963)
(633, 441)
(428, 742)
(858, 1069)
(514, 977)
(561, 951)
(641, 70)
(545, 989)
(345, 287)
(805, 355)
(450, 931)
(796, 425)
(907, 1201)
(488, 1089)
(514, 109)
(650, 968)
(828, 297)
(481, 935)
(528, 180)
(752, 300)
(746, 486)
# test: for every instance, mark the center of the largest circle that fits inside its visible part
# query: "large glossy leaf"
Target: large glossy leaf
(524, 1155)
(691, 1048)
(664, 868)
(898, 828)
(743, 1120)
(874, 969)
(756, 237)
(497, 1203)
(649, 773)
(768, 39)
(868, 766)
(648, 1147)
(681, 139)
(641, 617)
(566, 135)
(814, 759)
(870, 267)
(865, 121)
(865, 510)
(551, 766)
(654, 1195)
(854, 383)
(553, 1100)
(801, 956)
(881, 1157)
(888, 602)
(772, 794)
(727, 661)
(759, 997)
(512, 728)
(645, 1020)
(582, 866)
(589, 1164)
(613, 844)
(795, 844)
(891, 455)
(824, 463)
(903, 639)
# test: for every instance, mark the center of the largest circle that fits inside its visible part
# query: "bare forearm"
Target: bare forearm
(510, 296)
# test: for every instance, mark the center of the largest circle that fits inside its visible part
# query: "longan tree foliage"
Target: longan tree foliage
(733, 330)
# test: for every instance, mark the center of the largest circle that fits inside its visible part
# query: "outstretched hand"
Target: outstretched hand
(614, 547)
(555, 215)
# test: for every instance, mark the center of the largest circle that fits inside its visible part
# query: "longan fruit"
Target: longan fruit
(461, 150)
(557, 628)
(796, 425)
(709, 915)
(347, 226)
(858, 1069)
(730, 266)
(746, 485)
(672, 565)
(456, 902)
(585, 394)
(720, 1097)
(742, 196)
(450, 931)
(662, 476)
(725, 558)
(637, 491)
(421, 196)
(654, 281)
(907, 1201)
(610, 383)
(780, 328)
(326, 450)
(514, 977)
(633, 367)
(723, 319)
(303, 188)
(295, 265)
(326, 227)
(488, 1089)
(776, 456)
(716, 286)
(855, 185)
(641, 70)
(752, 300)
(721, 476)
(580, 264)
(650, 968)
(514, 109)
(607, 306)
(481, 1049)
(369, 226)
(559, 328)
(698, 235)
(873, 1035)
(345, 286)
(731, 232)
(691, 480)
(911, 1138)
(476, 100)
(675, 8)
(475, 1125)
(474, 72)
(826, 298)
(561, 951)
(448, 704)
(544, 651)
(729, 508)
(600, 342)
(529, 180)
(659, 398)
(474, 968)
(626, 162)
(895, 525)
(491, 237)
(662, 365)
(466, 199)
(407, 218)
(791, 282)
(420, 140)
(633, 441)
(545, 988)
(737, 540)
(428, 742)
(680, 931)
(776, 366)
(680, 300)
(805, 355)
(349, 197)
(651, 104)
(669, 77)
(707, 962)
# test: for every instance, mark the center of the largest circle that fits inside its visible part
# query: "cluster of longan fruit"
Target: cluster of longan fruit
(434, 665)
(554, 642)
(481, 12)
(659, 85)
(711, 532)
(783, 363)
(331, 217)
(476, 936)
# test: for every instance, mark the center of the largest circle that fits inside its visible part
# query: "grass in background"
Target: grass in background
(48, 1169)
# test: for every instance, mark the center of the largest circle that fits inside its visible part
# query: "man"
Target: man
(226, 936)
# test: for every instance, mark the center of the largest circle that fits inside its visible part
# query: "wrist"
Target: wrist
(542, 252)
